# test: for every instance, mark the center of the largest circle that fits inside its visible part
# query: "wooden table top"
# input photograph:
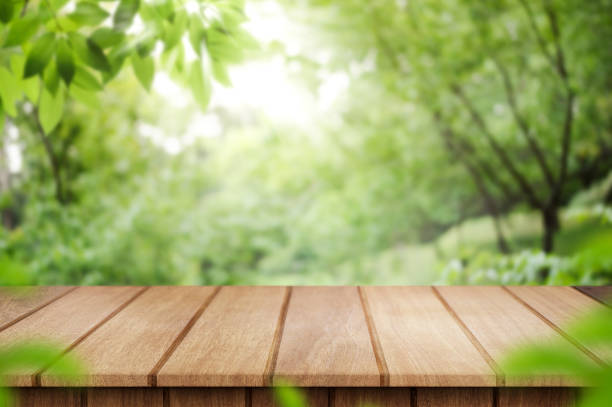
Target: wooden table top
(308, 336)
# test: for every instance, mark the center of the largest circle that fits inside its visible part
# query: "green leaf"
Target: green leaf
(30, 86)
(51, 78)
(9, 91)
(106, 37)
(39, 55)
(200, 84)
(85, 80)
(6, 10)
(124, 14)
(21, 30)
(50, 109)
(88, 13)
(196, 33)
(288, 396)
(174, 31)
(144, 69)
(96, 58)
(220, 73)
(65, 62)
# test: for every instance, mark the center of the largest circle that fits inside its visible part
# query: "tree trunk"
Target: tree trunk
(550, 224)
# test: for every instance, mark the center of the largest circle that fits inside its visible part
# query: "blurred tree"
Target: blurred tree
(56, 50)
(515, 89)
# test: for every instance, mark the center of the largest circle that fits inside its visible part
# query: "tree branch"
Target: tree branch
(53, 161)
(538, 34)
(501, 153)
(522, 123)
(449, 138)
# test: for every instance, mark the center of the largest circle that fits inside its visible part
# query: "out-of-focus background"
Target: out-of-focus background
(306, 142)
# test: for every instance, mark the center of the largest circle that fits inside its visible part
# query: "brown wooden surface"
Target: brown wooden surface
(136, 339)
(563, 306)
(334, 337)
(454, 397)
(209, 397)
(230, 344)
(18, 303)
(502, 324)
(325, 341)
(422, 344)
(379, 397)
(36, 397)
(602, 293)
(124, 397)
(536, 397)
(317, 397)
(65, 322)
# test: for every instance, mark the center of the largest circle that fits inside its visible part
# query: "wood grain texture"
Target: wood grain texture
(230, 344)
(125, 397)
(124, 350)
(64, 322)
(454, 397)
(502, 324)
(264, 397)
(422, 343)
(381, 397)
(19, 302)
(536, 397)
(562, 306)
(209, 397)
(37, 397)
(326, 341)
(602, 293)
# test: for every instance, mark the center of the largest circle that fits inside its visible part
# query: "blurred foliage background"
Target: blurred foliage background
(306, 142)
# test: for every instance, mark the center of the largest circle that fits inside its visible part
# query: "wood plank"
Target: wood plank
(562, 306)
(38, 397)
(326, 341)
(209, 397)
(264, 397)
(601, 293)
(230, 344)
(421, 342)
(125, 397)
(536, 397)
(16, 303)
(65, 322)
(454, 397)
(381, 397)
(126, 349)
(502, 324)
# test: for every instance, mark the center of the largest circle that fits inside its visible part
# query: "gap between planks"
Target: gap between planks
(381, 362)
(500, 378)
(36, 376)
(152, 376)
(557, 329)
(36, 309)
(589, 292)
(268, 376)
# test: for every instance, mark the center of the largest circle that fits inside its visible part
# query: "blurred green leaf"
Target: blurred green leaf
(40, 55)
(144, 68)
(88, 13)
(107, 37)
(200, 84)
(65, 62)
(6, 11)
(50, 109)
(124, 14)
(9, 91)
